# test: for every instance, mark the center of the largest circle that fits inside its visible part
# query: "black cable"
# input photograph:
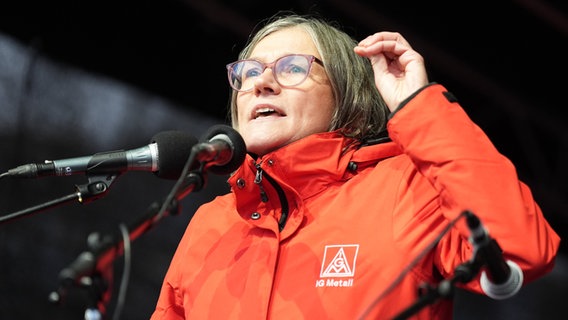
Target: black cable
(125, 274)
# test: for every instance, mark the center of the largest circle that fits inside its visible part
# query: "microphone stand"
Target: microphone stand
(428, 294)
(92, 268)
(96, 188)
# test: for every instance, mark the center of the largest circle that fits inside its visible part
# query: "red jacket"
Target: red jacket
(355, 218)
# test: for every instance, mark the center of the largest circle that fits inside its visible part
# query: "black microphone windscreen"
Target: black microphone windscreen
(237, 144)
(174, 148)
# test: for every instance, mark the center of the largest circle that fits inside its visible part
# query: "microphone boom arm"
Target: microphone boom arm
(95, 188)
(92, 269)
(429, 294)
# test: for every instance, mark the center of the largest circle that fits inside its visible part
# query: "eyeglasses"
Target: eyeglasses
(289, 70)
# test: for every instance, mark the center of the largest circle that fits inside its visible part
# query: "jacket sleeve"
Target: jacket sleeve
(166, 308)
(468, 172)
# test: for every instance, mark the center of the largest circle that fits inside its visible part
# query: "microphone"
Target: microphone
(501, 279)
(165, 156)
(221, 151)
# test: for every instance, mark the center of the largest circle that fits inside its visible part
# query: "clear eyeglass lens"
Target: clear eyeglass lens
(290, 70)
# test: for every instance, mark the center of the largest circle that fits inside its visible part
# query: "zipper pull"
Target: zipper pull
(258, 180)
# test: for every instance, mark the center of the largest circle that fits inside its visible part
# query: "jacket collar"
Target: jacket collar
(310, 164)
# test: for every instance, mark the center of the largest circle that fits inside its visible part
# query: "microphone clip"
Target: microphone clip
(96, 188)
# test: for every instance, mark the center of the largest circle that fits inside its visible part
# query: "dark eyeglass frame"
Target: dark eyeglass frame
(311, 59)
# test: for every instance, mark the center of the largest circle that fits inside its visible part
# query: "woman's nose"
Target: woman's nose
(266, 81)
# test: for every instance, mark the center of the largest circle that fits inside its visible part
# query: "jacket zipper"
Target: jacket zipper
(264, 197)
(258, 180)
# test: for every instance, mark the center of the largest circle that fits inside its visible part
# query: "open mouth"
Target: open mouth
(266, 112)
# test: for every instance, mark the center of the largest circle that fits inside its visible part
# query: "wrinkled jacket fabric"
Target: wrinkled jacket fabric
(327, 229)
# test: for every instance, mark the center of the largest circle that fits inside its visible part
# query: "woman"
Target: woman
(345, 187)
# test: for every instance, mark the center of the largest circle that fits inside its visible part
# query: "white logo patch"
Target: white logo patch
(338, 261)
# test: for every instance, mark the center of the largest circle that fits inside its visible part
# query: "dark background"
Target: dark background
(80, 77)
